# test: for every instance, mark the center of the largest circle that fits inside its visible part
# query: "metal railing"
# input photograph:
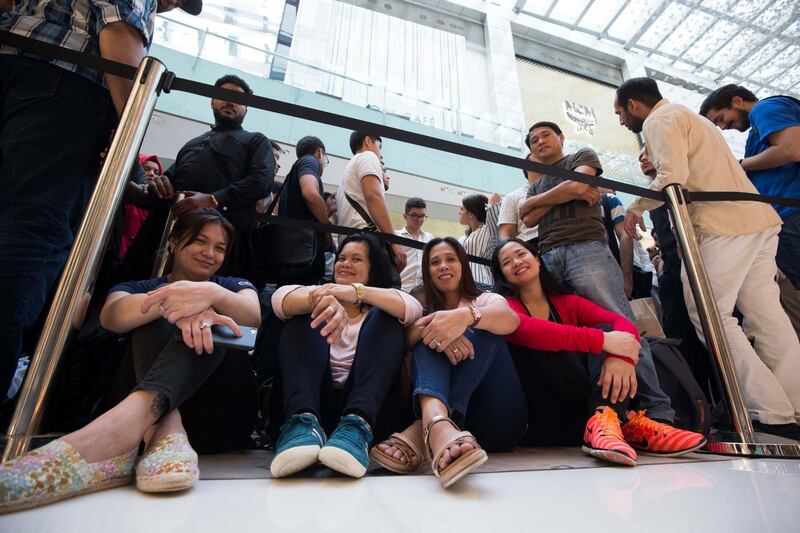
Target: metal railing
(77, 281)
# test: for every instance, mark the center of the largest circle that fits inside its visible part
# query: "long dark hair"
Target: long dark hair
(380, 269)
(187, 229)
(476, 204)
(501, 285)
(467, 288)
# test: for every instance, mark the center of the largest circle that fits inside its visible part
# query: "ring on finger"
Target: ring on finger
(455, 350)
(204, 325)
(438, 342)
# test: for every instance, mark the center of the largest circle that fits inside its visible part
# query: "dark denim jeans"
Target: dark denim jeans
(483, 395)
(53, 126)
(305, 375)
(788, 257)
(591, 271)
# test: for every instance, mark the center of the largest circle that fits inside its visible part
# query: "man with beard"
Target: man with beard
(226, 168)
(772, 162)
(737, 241)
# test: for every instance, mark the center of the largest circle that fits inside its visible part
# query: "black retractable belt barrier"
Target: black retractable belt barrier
(171, 82)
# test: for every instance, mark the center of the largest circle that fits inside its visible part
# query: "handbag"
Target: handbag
(276, 253)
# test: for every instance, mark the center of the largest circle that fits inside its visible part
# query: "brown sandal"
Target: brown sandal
(463, 464)
(414, 458)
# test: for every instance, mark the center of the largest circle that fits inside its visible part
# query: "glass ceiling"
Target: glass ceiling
(755, 43)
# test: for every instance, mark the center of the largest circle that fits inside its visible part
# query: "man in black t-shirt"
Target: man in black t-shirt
(302, 198)
(574, 248)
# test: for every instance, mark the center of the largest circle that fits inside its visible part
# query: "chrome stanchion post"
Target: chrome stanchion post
(743, 440)
(77, 281)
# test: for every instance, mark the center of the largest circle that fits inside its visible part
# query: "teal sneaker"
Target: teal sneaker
(347, 451)
(298, 445)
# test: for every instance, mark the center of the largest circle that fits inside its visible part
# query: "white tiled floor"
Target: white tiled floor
(739, 495)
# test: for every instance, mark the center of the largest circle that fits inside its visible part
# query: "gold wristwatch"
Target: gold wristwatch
(359, 287)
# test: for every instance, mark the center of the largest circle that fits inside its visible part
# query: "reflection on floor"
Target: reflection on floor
(561, 490)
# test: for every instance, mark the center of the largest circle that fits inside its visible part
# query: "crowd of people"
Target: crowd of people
(402, 356)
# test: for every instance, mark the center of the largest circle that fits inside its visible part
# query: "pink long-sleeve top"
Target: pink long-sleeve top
(343, 352)
(577, 333)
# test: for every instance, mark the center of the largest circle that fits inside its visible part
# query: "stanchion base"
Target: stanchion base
(760, 445)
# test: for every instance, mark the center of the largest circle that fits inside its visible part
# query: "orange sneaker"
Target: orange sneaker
(603, 438)
(657, 438)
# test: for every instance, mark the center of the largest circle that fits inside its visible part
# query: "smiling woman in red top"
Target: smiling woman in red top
(570, 351)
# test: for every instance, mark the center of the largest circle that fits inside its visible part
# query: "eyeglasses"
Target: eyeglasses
(327, 161)
(417, 217)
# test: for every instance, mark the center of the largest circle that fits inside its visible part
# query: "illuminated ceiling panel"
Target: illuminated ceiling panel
(752, 42)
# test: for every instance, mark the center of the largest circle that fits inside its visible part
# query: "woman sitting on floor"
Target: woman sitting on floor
(462, 371)
(340, 352)
(170, 321)
(592, 365)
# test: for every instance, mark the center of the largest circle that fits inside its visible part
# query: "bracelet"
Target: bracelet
(626, 359)
(214, 199)
(476, 315)
(359, 287)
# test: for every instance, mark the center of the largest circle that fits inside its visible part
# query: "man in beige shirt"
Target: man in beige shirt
(738, 242)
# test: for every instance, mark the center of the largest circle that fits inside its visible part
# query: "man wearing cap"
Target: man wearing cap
(55, 120)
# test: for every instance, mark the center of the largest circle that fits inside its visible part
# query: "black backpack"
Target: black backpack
(677, 381)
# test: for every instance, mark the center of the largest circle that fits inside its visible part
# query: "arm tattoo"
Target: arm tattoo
(159, 406)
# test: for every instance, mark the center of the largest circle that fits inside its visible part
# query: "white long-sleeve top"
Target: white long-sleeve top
(689, 150)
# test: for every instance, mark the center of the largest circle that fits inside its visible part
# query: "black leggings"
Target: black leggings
(216, 393)
(305, 382)
(562, 392)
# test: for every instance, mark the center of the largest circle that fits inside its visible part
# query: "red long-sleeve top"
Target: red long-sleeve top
(577, 333)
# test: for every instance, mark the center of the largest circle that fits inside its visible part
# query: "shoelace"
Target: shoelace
(649, 423)
(351, 436)
(609, 424)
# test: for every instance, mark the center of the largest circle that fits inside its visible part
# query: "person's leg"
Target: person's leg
(376, 365)
(53, 125)
(496, 413)
(766, 322)
(302, 362)
(303, 366)
(728, 261)
(594, 274)
(165, 382)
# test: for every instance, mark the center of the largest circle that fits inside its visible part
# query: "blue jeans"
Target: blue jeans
(53, 126)
(483, 395)
(788, 257)
(591, 271)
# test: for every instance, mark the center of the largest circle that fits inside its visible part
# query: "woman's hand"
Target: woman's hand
(196, 329)
(182, 299)
(441, 328)
(622, 343)
(330, 311)
(617, 380)
(346, 294)
(459, 350)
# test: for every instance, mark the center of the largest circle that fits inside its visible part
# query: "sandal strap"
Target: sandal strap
(405, 445)
(426, 434)
(461, 437)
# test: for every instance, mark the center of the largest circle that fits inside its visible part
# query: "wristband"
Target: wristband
(626, 359)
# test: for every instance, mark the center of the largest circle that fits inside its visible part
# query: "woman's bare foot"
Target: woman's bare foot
(441, 433)
(412, 433)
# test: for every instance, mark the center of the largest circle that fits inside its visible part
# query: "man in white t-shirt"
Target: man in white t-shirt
(362, 191)
(509, 221)
(414, 215)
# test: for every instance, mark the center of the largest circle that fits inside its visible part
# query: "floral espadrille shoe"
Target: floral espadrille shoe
(169, 466)
(57, 471)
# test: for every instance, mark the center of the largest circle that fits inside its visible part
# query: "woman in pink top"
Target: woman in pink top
(462, 371)
(569, 353)
(340, 351)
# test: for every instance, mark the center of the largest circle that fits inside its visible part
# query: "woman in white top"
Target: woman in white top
(462, 371)
(340, 352)
(479, 214)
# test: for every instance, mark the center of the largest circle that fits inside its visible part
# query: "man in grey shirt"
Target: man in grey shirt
(574, 247)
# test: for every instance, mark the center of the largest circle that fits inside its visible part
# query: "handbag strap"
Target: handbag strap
(277, 196)
(609, 224)
(362, 212)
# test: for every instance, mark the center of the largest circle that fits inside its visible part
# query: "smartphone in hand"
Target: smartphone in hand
(223, 337)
